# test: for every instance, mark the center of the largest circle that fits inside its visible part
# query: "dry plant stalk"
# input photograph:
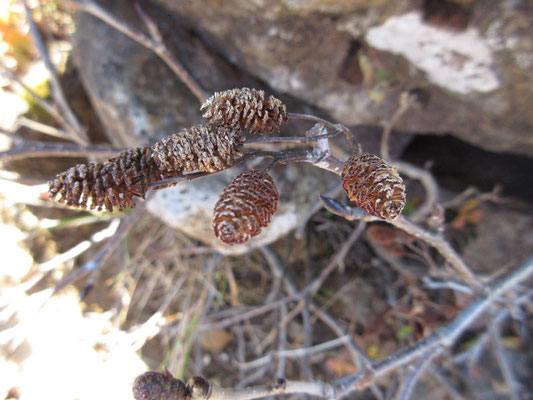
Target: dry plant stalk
(245, 206)
(245, 109)
(375, 186)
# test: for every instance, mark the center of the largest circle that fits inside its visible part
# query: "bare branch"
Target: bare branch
(318, 389)
(405, 391)
(503, 361)
(355, 145)
(44, 104)
(444, 336)
(443, 247)
(33, 149)
(295, 353)
(91, 267)
(80, 136)
(153, 43)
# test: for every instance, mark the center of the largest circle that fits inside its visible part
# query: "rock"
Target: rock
(502, 241)
(137, 97)
(189, 205)
(353, 58)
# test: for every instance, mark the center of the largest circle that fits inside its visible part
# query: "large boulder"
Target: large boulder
(352, 58)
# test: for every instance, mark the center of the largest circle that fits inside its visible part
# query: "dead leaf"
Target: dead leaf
(340, 367)
(215, 340)
(469, 213)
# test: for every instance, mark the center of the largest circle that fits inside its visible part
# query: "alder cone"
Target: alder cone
(115, 182)
(112, 183)
(375, 186)
(203, 148)
(245, 206)
(245, 109)
(199, 388)
(158, 386)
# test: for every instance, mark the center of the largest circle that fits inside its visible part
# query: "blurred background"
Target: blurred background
(82, 80)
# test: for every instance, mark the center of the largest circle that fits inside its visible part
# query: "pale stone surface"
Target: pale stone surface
(189, 206)
(458, 61)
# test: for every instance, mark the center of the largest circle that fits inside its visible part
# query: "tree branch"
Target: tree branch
(78, 132)
(444, 336)
(401, 222)
(153, 43)
(33, 149)
(44, 104)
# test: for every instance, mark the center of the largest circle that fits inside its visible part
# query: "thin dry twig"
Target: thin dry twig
(295, 353)
(339, 257)
(406, 102)
(442, 246)
(445, 384)
(430, 185)
(91, 267)
(409, 383)
(354, 144)
(23, 149)
(443, 337)
(153, 42)
(44, 104)
(40, 127)
(78, 133)
(359, 357)
(503, 361)
(282, 344)
(314, 208)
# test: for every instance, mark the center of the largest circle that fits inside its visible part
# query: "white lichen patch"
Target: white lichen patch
(461, 62)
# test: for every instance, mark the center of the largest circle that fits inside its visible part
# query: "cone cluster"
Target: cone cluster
(204, 148)
(116, 181)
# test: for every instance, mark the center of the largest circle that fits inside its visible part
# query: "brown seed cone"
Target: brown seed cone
(158, 386)
(245, 206)
(203, 148)
(112, 183)
(245, 109)
(374, 186)
(199, 387)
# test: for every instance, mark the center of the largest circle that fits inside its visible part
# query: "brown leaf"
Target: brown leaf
(216, 340)
(469, 213)
(340, 367)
